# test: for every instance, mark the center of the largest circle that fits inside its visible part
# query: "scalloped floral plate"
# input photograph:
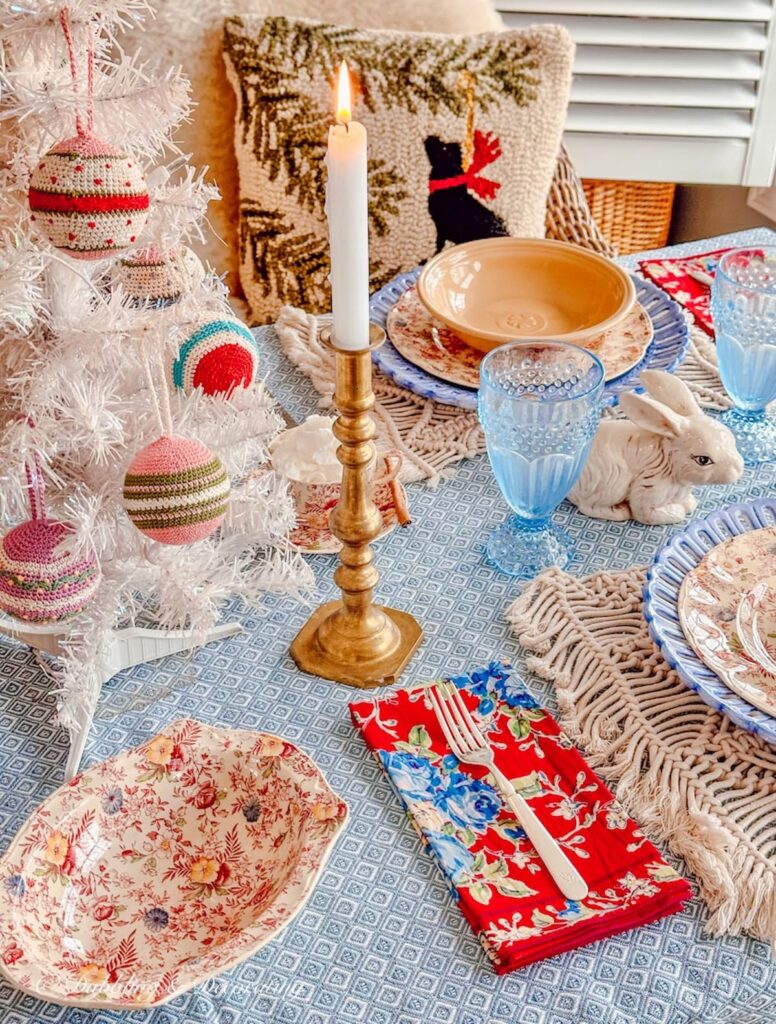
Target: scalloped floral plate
(756, 623)
(681, 553)
(430, 345)
(669, 345)
(164, 866)
(709, 600)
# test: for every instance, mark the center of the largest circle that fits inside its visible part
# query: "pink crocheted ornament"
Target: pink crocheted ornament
(88, 197)
(149, 275)
(41, 578)
(218, 356)
(176, 490)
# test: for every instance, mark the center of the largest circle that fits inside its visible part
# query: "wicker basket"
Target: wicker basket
(632, 215)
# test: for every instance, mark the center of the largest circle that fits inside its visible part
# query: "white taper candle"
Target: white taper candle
(347, 212)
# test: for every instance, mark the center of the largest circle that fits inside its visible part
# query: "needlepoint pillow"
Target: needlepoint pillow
(189, 33)
(464, 133)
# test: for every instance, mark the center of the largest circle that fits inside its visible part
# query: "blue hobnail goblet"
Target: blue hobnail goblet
(743, 305)
(539, 404)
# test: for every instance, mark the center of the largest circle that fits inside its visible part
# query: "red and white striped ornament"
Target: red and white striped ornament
(89, 198)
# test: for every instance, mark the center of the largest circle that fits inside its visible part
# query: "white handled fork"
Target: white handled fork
(469, 745)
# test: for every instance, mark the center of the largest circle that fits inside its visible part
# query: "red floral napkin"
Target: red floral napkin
(503, 889)
(687, 280)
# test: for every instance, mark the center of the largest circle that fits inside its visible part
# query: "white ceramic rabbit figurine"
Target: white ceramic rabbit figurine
(645, 467)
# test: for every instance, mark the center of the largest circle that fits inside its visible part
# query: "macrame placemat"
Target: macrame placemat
(433, 437)
(699, 369)
(687, 774)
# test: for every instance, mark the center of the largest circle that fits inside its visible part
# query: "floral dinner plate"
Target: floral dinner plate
(756, 623)
(426, 342)
(431, 345)
(624, 346)
(162, 867)
(708, 605)
(666, 351)
(678, 555)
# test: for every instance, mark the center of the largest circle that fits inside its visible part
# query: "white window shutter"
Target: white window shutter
(668, 90)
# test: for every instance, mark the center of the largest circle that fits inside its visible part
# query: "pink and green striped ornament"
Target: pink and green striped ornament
(176, 491)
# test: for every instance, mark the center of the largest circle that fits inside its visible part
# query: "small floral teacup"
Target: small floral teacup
(315, 501)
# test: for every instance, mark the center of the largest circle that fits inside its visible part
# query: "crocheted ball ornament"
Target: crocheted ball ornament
(218, 356)
(88, 197)
(160, 277)
(176, 490)
(41, 579)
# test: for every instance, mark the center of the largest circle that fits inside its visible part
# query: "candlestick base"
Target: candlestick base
(354, 641)
(375, 655)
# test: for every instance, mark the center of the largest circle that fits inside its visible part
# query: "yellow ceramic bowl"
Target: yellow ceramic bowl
(501, 289)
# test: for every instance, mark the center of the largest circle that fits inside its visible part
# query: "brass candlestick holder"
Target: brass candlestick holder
(352, 640)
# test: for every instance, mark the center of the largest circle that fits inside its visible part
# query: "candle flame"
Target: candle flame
(343, 94)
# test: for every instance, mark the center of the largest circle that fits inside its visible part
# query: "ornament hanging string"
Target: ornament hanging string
(161, 406)
(64, 20)
(37, 496)
(35, 491)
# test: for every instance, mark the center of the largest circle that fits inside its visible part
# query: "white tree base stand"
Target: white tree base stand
(128, 647)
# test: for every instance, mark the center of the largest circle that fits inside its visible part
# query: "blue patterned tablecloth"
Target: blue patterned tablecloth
(380, 941)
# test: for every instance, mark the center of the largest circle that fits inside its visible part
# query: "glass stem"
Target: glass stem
(750, 415)
(530, 525)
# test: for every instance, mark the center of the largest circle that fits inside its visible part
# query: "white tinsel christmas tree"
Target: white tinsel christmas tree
(85, 366)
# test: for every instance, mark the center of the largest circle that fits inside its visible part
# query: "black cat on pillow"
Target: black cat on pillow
(457, 214)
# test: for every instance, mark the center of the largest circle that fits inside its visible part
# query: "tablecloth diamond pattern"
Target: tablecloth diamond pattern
(380, 942)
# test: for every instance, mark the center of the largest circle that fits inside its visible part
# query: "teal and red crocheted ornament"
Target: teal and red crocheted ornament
(218, 356)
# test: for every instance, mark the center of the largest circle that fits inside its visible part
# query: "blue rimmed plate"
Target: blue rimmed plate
(661, 599)
(666, 350)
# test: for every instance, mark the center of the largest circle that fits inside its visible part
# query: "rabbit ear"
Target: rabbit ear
(650, 415)
(670, 391)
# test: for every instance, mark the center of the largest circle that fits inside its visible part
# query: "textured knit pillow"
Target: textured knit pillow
(189, 33)
(463, 140)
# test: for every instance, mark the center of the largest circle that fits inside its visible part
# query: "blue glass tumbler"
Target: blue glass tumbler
(743, 305)
(540, 406)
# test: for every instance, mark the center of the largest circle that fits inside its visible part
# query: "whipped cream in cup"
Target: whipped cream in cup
(308, 453)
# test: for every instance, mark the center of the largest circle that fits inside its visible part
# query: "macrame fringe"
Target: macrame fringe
(701, 373)
(685, 773)
(699, 369)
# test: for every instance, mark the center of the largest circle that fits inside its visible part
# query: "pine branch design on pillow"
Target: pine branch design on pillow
(409, 92)
(387, 190)
(289, 263)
